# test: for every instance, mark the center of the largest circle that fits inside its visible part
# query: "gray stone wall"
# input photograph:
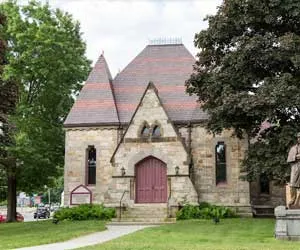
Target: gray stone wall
(274, 198)
(234, 192)
(77, 140)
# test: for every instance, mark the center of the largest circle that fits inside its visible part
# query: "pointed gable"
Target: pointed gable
(168, 66)
(95, 104)
(151, 111)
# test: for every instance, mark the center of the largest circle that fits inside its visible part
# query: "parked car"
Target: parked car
(19, 217)
(41, 212)
(54, 208)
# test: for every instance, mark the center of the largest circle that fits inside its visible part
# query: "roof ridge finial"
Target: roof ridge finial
(165, 41)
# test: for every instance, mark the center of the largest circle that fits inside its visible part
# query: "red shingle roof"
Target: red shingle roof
(167, 66)
(95, 103)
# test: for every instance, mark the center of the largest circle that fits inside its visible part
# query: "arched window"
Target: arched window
(220, 154)
(145, 131)
(91, 165)
(156, 131)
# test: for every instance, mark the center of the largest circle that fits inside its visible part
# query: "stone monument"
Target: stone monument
(288, 218)
(294, 160)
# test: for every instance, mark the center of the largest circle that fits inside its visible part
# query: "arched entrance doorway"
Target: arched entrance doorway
(151, 181)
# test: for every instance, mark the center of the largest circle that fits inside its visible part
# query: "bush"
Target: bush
(204, 211)
(85, 212)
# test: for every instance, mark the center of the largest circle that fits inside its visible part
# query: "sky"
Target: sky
(121, 29)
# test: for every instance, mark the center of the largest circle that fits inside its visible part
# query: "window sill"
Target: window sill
(91, 185)
(264, 195)
(222, 184)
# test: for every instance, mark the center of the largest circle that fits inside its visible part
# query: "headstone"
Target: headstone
(287, 223)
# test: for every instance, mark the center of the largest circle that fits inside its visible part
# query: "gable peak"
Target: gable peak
(100, 72)
(151, 85)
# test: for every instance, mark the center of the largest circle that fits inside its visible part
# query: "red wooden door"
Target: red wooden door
(151, 181)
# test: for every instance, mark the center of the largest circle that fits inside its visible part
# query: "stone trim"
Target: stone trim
(156, 123)
(88, 125)
(155, 153)
(178, 175)
(123, 176)
(133, 176)
(150, 139)
(139, 134)
(91, 128)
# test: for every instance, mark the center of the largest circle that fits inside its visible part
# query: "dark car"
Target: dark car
(41, 212)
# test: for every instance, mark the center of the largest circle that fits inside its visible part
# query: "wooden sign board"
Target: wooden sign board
(80, 195)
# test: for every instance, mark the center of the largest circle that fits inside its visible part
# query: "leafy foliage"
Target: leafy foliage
(204, 211)
(85, 212)
(45, 66)
(248, 73)
(9, 97)
(46, 58)
(55, 192)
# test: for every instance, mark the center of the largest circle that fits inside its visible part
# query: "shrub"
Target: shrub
(85, 212)
(204, 211)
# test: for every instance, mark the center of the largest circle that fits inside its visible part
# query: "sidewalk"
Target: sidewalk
(112, 232)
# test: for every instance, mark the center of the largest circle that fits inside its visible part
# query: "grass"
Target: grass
(230, 234)
(13, 235)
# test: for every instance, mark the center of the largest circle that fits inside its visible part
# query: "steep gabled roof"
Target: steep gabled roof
(95, 104)
(169, 66)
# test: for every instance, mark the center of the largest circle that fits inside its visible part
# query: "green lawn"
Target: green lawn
(13, 235)
(230, 234)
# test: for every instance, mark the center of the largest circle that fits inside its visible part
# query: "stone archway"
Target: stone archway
(151, 181)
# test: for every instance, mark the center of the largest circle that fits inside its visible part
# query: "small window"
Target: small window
(145, 131)
(91, 165)
(220, 154)
(156, 131)
(264, 184)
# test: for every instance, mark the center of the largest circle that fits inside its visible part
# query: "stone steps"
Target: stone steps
(262, 211)
(145, 213)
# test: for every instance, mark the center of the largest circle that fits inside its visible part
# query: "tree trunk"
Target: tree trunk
(11, 196)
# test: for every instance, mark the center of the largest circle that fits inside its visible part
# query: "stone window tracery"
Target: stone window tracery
(156, 132)
(91, 165)
(145, 131)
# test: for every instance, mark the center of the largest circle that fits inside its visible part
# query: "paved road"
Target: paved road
(112, 232)
(25, 211)
(28, 216)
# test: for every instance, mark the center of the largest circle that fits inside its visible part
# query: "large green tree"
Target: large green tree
(46, 58)
(248, 73)
(8, 97)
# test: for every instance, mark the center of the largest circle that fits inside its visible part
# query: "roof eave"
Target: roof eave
(73, 125)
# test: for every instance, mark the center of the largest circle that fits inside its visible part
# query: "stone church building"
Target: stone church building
(138, 142)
